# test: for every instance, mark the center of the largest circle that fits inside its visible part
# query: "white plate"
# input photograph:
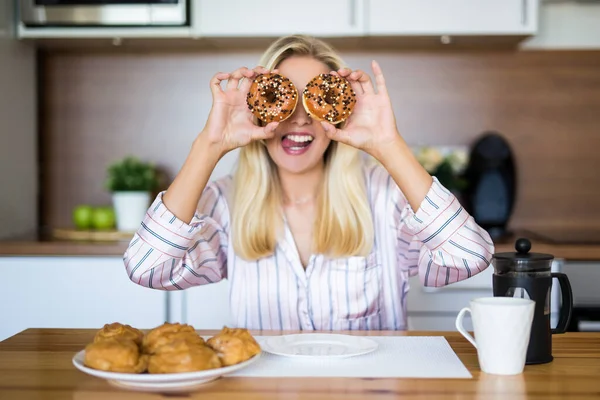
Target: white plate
(159, 382)
(318, 345)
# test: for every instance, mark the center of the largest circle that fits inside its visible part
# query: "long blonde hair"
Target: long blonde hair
(343, 225)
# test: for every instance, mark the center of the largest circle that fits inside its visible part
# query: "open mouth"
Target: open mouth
(296, 143)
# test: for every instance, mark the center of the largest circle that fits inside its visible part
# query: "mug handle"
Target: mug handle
(566, 307)
(461, 328)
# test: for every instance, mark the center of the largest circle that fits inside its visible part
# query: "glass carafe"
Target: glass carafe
(529, 275)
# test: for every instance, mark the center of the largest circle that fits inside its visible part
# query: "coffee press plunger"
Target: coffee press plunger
(528, 275)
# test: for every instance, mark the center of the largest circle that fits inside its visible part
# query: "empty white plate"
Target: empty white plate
(160, 382)
(318, 345)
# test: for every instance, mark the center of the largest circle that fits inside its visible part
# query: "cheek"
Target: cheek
(320, 132)
(272, 144)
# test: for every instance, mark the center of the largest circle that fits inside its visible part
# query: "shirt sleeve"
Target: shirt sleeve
(168, 254)
(445, 244)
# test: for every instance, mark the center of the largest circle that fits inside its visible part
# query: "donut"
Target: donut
(329, 97)
(272, 97)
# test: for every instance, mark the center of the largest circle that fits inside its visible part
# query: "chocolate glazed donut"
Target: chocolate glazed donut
(272, 97)
(329, 97)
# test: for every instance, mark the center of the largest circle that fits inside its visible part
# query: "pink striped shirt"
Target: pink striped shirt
(440, 242)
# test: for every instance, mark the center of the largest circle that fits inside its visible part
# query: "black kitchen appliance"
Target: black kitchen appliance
(490, 173)
(528, 275)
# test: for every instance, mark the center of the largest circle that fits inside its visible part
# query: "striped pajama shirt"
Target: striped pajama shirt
(440, 242)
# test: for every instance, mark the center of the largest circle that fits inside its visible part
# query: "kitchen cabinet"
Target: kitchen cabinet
(207, 306)
(451, 17)
(584, 277)
(338, 18)
(436, 308)
(274, 18)
(74, 292)
(87, 292)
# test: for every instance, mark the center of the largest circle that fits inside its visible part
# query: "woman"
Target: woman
(309, 235)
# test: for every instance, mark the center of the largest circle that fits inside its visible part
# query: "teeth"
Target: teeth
(300, 138)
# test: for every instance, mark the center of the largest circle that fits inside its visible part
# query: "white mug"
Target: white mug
(502, 327)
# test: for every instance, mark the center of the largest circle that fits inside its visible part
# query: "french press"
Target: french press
(528, 275)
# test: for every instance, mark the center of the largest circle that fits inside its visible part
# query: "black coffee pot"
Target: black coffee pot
(528, 275)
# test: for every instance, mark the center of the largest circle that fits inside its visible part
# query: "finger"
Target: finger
(347, 74)
(365, 81)
(355, 85)
(344, 72)
(334, 73)
(260, 70)
(333, 133)
(266, 132)
(234, 79)
(379, 79)
(248, 73)
(247, 80)
(215, 83)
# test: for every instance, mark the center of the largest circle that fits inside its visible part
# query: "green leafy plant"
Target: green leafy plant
(445, 164)
(131, 174)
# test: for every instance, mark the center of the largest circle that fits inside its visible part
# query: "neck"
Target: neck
(302, 188)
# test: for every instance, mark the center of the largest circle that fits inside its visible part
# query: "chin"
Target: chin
(297, 164)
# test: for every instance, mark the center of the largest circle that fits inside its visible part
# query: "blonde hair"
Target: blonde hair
(343, 225)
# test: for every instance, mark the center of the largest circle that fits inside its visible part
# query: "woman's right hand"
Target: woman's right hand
(230, 124)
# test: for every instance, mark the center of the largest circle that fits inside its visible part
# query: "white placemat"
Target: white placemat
(396, 357)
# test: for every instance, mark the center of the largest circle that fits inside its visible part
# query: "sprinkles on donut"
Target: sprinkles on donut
(272, 97)
(329, 98)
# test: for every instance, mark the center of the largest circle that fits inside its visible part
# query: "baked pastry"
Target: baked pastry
(115, 355)
(329, 98)
(182, 356)
(234, 345)
(119, 331)
(167, 333)
(272, 97)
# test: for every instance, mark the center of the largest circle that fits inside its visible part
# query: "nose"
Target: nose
(300, 117)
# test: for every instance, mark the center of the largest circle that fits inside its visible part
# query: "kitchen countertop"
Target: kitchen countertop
(61, 248)
(36, 363)
(568, 251)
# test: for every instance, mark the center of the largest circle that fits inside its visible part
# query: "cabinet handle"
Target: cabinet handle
(352, 12)
(524, 12)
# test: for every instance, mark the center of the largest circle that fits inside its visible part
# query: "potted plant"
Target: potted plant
(446, 164)
(132, 183)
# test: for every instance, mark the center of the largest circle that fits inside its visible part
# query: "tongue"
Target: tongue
(290, 143)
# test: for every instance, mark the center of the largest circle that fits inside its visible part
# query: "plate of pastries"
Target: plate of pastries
(171, 356)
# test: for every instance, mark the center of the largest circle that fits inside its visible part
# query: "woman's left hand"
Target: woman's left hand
(372, 125)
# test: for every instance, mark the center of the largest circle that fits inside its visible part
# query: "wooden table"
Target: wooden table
(36, 364)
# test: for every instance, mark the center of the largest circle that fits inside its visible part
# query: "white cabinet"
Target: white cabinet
(264, 18)
(451, 17)
(207, 306)
(73, 292)
(435, 309)
(334, 18)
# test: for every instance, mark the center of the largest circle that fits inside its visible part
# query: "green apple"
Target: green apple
(82, 216)
(103, 218)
